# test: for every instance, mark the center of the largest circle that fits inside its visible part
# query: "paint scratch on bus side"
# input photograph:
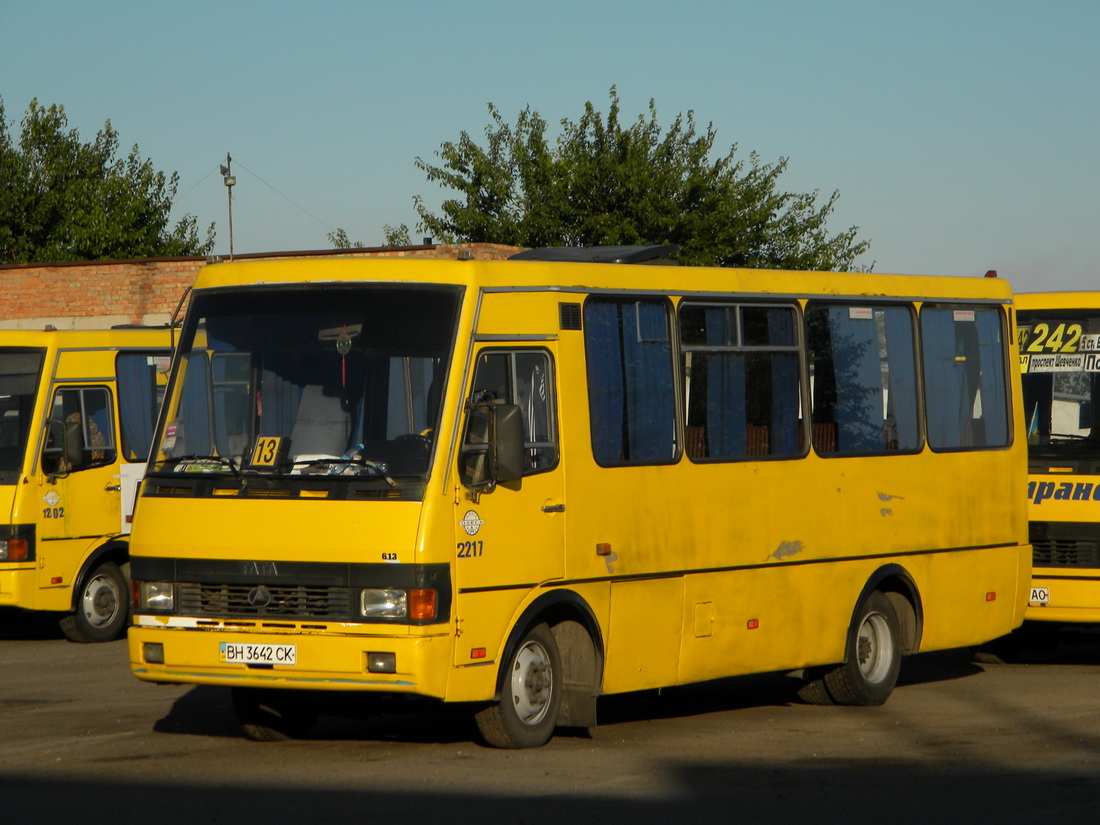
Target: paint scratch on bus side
(786, 549)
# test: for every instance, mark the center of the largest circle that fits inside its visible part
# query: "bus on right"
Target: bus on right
(1059, 340)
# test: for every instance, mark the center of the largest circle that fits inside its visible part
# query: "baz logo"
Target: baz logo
(52, 510)
(471, 523)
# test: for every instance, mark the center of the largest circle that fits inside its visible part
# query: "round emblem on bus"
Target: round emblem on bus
(471, 523)
(259, 596)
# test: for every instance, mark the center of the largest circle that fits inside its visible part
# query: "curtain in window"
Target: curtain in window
(785, 389)
(136, 403)
(726, 416)
(948, 407)
(902, 383)
(993, 391)
(194, 413)
(630, 381)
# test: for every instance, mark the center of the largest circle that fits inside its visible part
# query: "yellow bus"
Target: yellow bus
(525, 484)
(77, 413)
(1059, 336)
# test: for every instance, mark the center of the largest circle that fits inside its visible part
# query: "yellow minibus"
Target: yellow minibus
(521, 485)
(77, 412)
(1059, 337)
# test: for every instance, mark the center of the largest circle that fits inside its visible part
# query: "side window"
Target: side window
(862, 379)
(141, 380)
(524, 378)
(631, 381)
(965, 384)
(81, 431)
(741, 380)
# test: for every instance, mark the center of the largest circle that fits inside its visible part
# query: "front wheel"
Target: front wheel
(873, 659)
(530, 695)
(102, 607)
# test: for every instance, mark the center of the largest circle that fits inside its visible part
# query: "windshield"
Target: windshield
(20, 368)
(1060, 360)
(334, 381)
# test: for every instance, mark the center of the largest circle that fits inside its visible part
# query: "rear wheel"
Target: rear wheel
(273, 715)
(527, 713)
(102, 606)
(873, 659)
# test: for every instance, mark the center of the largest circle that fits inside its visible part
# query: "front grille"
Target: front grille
(284, 601)
(1065, 553)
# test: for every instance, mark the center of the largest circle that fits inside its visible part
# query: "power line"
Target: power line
(213, 169)
(280, 194)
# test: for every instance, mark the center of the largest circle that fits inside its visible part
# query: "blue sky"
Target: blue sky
(962, 136)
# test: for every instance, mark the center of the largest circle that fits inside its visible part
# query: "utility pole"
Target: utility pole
(227, 176)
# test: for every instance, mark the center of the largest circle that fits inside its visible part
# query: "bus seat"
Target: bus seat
(756, 439)
(322, 427)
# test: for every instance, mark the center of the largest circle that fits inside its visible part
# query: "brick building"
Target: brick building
(98, 294)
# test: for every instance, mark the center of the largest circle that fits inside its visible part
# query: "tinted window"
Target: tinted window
(741, 380)
(963, 352)
(863, 378)
(631, 386)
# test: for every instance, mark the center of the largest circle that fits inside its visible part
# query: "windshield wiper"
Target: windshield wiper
(199, 460)
(352, 461)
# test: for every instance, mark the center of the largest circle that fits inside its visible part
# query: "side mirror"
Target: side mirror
(74, 444)
(492, 451)
(64, 450)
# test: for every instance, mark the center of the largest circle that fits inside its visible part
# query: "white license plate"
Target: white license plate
(1039, 595)
(246, 654)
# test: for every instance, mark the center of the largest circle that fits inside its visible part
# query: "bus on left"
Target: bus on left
(77, 412)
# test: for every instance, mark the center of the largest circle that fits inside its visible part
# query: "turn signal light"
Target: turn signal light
(13, 550)
(422, 604)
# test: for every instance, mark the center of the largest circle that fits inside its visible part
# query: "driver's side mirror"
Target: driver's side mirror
(492, 451)
(64, 451)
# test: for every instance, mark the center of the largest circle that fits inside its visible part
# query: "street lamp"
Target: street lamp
(230, 182)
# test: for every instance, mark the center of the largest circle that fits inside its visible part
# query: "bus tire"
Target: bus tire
(873, 658)
(272, 715)
(102, 606)
(813, 690)
(530, 695)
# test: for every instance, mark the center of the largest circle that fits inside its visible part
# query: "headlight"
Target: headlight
(384, 604)
(157, 596)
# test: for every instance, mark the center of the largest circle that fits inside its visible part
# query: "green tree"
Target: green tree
(601, 183)
(65, 200)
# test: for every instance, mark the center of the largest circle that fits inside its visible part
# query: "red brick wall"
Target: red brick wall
(131, 292)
